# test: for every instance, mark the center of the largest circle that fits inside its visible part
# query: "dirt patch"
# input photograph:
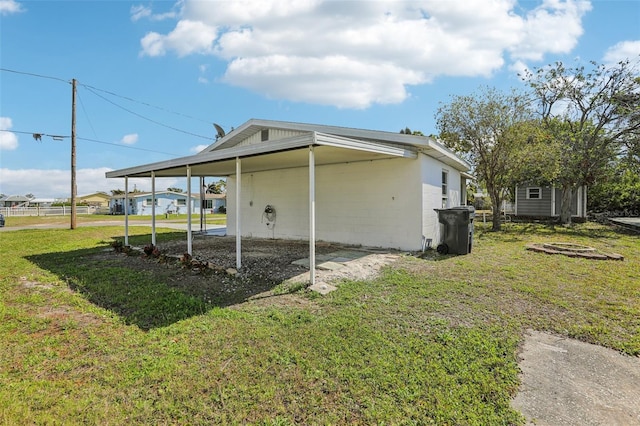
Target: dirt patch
(266, 263)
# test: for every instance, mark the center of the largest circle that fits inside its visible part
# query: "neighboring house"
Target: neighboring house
(41, 202)
(213, 202)
(318, 182)
(140, 203)
(545, 201)
(14, 201)
(96, 199)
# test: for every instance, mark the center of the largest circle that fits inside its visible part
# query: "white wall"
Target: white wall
(432, 194)
(373, 203)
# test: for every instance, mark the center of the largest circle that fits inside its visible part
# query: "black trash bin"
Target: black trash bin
(456, 230)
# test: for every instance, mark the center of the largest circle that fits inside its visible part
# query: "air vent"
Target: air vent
(265, 135)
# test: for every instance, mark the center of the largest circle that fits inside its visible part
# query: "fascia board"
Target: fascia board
(341, 142)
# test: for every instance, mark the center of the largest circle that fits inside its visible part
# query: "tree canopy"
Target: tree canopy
(588, 117)
(480, 128)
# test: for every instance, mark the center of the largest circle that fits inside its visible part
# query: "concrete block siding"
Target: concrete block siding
(374, 203)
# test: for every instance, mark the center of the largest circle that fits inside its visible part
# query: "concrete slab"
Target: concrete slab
(305, 262)
(322, 288)
(329, 266)
(568, 382)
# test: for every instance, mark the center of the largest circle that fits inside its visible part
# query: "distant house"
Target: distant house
(213, 202)
(96, 199)
(141, 203)
(545, 201)
(14, 201)
(41, 202)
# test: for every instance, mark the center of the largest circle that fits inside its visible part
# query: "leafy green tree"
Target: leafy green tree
(589, 115)
(408, 131)
(172, 189)
(115, 192)
(480, 128)
(218, 187)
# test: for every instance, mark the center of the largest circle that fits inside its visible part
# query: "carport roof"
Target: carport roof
(333, 145)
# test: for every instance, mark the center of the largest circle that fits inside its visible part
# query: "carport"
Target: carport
(309, 150)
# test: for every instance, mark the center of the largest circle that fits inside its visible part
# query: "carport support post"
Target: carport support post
(153, 208)
(189, 236)
(238, 193)
(312, 216)
(126, 210)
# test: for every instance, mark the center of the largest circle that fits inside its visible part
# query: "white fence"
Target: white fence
(51, 211)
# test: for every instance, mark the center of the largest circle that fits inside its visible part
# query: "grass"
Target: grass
(432, 341)
(16, 221)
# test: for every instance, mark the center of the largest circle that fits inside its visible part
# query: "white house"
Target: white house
(318, 182)
(140, 203)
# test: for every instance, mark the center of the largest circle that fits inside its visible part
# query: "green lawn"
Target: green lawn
(15, 221)
(432, 341)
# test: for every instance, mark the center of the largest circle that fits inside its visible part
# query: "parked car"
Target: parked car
(1, 220)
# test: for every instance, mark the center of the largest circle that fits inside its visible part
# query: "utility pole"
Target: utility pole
(73, 154)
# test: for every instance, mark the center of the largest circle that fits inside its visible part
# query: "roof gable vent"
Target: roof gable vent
(264, 135)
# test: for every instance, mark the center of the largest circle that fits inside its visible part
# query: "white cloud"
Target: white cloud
(139, 12)
(198, 148)
(552, 27)
(8, 140)
(187, 38)
(359, 53)
(55, 183)
(622, 51)
(129, 139)
(10, 6)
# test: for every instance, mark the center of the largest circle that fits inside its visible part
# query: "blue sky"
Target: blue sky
(153, 76)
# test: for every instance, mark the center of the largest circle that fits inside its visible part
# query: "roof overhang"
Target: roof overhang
(278, 154)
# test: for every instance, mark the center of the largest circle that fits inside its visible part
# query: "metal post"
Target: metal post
(238, 194)
(312, 216)
(153, 208)
(189, 241)
(126, 210)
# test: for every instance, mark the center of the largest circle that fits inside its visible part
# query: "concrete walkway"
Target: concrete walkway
(568, 382)
(627, 222)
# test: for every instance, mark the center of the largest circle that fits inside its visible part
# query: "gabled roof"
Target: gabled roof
(335, 145)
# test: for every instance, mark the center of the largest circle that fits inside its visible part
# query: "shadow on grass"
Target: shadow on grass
(146, 292)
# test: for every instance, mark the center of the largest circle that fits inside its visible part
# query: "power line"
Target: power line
(38, 137)
(145, 103)
(94, 90)
(147, 118)
(128, 147)
(35, 75)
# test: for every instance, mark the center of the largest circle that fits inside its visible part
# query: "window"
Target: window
(149, 201)
(181, 202)
(445, 192)
(534, 193)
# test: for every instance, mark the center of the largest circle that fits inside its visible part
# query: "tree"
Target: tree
(218, 187)
(179, 190)
(589, 115)
(480, 128)
(407, 131)
(115, 192)
(30, 196)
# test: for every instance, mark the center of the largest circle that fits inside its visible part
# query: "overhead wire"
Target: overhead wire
(38, 137)
(94, 90)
